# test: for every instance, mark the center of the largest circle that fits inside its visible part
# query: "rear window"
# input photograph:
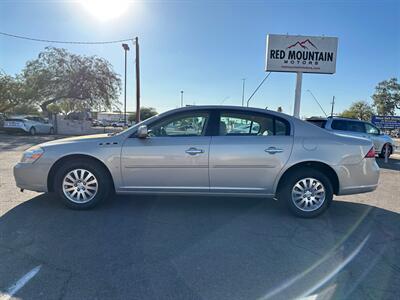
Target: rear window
(15, 120)
(319, 123)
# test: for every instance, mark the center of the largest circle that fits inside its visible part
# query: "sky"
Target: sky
(206, 48)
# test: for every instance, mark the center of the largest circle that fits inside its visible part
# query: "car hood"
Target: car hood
(77, 139)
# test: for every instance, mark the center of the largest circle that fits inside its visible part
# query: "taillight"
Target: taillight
(371, 153)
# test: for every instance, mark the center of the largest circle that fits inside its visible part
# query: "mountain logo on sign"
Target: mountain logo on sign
(303, 44)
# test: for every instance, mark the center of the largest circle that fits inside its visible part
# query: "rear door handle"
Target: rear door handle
(194, 151)
(273, 150)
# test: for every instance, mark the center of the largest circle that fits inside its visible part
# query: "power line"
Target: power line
(255, 91)
(318, 103)
(64, 42)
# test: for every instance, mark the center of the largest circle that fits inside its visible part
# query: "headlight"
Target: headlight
(31, 155)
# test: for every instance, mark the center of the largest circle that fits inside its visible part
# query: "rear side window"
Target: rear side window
(240, 124)
(339, 124)
(346, 125)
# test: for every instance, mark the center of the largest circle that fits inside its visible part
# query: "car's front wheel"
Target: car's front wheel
(307, 192)
(82, 184)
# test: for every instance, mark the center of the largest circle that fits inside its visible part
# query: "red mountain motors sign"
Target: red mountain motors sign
(307, 54)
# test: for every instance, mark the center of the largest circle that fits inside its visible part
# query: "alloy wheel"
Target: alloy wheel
(308, 194)
(80, 186)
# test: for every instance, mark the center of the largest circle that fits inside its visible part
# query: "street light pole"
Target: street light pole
(244, 82)
(181, 98)
(126, 49)
(137, 81)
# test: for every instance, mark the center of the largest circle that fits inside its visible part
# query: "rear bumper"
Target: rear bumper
(358, 178)
(15, 130)
(358, 189)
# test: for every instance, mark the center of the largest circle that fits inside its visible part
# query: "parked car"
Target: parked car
(2, 119)
(97, 123)
(286, 158)
(28, 124)
(118, 124)
(359, 129)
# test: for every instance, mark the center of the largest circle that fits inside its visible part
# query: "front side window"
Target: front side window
(184, 125)
(356, 126)
(251, 125)
(371, 129)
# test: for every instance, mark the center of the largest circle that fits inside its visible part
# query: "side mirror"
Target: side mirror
(142, 132)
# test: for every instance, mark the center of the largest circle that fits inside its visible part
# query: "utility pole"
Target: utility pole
(244, 83)
(126, 49)
(333, 105)
(181, 98)
(137, 81)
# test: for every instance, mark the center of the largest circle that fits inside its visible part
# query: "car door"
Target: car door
(374, 134)
(174, 157)
(249, 152)
(44, 128)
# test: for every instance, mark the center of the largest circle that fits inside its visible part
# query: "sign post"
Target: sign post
(297, 95)
(300, 54)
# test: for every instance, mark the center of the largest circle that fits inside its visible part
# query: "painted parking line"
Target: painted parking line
(19, 284)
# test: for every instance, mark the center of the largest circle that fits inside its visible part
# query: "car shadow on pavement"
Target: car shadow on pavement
(392, 164)
(153, 247)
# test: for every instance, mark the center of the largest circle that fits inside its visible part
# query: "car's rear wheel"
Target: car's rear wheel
(32, 131)
(383, 151)
(307, 192)
(82, 184)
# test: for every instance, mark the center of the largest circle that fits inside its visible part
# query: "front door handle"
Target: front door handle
(273, 150)
(194, 151)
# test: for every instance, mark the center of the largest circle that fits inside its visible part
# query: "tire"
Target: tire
(51, 131)
(382, 154)
(83, 184)
(32, 131)
(303, 206)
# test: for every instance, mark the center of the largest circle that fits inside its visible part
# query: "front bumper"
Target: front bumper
(31, 177)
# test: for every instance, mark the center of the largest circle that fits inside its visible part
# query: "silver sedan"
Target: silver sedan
(204, 150)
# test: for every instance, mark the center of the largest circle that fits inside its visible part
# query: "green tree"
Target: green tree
(145, 113)
(358, 110)
(387, 97)
(14, 96)
(57, 75)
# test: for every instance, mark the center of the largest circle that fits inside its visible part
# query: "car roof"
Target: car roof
(228, 107)
(347, 119)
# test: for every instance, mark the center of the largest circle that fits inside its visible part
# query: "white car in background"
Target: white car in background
(28, 124)
(357, 128)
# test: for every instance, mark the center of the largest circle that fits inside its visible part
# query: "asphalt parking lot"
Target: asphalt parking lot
(159, 247)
